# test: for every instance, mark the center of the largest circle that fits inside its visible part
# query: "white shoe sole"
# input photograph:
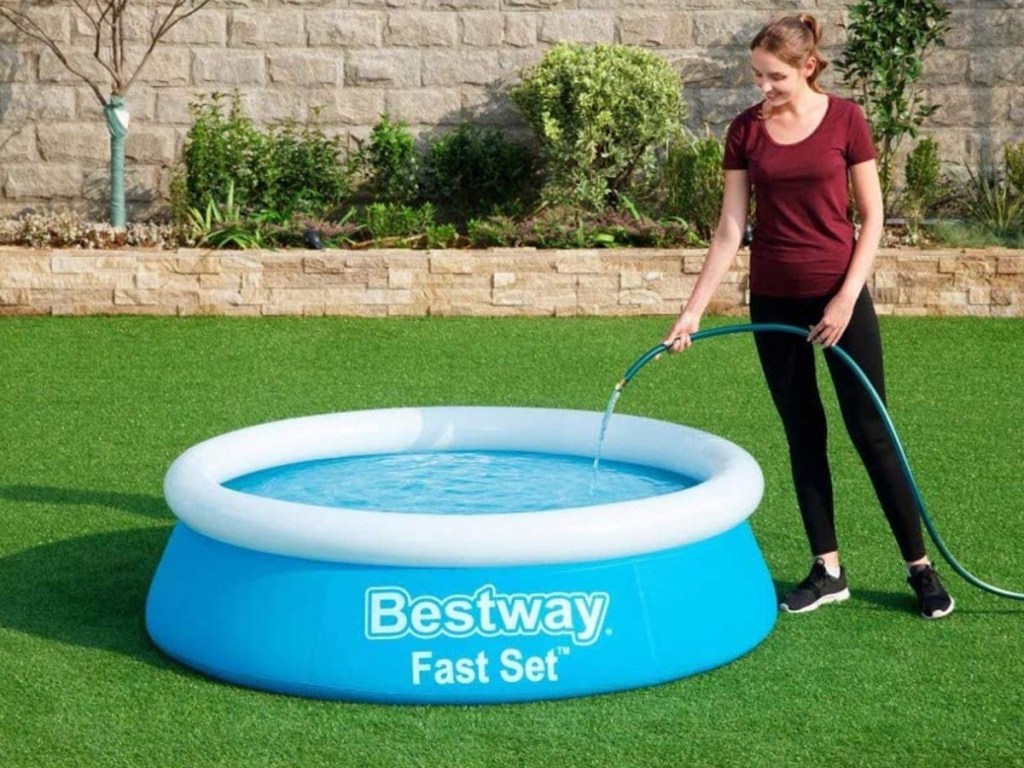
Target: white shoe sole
(835, 597)
(941, 614)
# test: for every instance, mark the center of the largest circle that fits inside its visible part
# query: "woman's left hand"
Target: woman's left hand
(833, 322)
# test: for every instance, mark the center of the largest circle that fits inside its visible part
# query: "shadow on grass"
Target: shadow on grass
(135, 503)
(888, 601)
(905, 602)
(88, 591)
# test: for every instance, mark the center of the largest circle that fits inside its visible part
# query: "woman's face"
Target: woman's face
(777, 80)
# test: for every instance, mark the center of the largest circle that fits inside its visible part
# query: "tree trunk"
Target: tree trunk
(117, 123)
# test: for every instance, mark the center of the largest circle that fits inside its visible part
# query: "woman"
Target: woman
(798, 149)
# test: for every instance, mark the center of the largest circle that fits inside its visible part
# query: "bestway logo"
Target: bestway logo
(392, 613)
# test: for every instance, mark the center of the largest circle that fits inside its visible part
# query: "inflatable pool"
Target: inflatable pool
(409, 606)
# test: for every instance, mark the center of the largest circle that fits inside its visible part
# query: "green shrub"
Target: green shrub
(395, 224)
(598, 112)
(922, 172)
(886, 44)
(304, 170)
(693, 182)
(388, 164)
(290, 167)
(970, 235)
(923, 177)
(223, 225)
(440, 236)
(471, 172)
(179, 196)
(224, 149)
(554, 229)
(573, 228)
(607, 229)
(988, 199)
(493, 232)
(389, 220)
(341, 232)
(1014, 155)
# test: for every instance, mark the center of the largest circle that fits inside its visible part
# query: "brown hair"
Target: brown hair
(793, 40)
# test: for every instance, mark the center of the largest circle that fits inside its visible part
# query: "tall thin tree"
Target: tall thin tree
(107, 19)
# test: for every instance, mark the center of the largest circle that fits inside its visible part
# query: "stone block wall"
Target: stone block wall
(461, 282)
(431, 63)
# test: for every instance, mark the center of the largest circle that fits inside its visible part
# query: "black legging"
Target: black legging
(788, 365)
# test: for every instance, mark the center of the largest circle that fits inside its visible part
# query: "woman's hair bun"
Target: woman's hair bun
(812, 24)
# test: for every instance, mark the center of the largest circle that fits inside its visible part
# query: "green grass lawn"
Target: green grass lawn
(94, 410)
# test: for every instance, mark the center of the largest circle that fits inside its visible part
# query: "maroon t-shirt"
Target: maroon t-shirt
(803, 241)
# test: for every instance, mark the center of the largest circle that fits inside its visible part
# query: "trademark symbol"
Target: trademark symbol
(564, 650)
(607, 633)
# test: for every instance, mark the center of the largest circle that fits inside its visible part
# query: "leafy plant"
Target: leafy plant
(923, 176)
(223, 226)
(693, 183)
(990, 200)
(224, 148)
(304, 172)
(178, 193)
(289, 168)
(886, 43)
(67, 229)
(562, 227)
(493, 231)
(388, 163)
(471, 172)
(390, 220)
(343, 231)
(956, 234)
(598, 112)
(1014, 158)
(440, 236)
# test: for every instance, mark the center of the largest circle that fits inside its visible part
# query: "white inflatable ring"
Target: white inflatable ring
(730, 488)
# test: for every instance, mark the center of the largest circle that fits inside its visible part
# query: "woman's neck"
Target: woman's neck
(802, 104)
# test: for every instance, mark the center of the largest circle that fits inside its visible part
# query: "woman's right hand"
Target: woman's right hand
(678, 337)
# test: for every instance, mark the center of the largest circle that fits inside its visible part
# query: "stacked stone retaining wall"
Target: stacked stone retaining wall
(461, 282)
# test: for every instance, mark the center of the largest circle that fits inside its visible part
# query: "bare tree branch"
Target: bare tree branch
(85, 12)
(27, 26)
(111, 52)
(117, 40)
(169, 21)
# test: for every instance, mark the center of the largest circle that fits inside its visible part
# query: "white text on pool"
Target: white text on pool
(392, 613)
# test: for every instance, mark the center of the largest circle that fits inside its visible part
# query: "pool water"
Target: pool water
(460, 482)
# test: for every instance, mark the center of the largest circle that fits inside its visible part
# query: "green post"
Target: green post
(117, 123)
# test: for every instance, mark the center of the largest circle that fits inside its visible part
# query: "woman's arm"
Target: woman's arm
(868, 193)
(724, 245)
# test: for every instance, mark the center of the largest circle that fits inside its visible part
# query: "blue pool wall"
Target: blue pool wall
(333, 630)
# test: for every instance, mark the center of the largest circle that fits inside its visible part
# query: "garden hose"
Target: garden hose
(929, 524)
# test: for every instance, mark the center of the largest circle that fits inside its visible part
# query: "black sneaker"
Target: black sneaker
(817, 589)
(932, 598)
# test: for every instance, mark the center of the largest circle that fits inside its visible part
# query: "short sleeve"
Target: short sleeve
(735, 156)
(859, 147)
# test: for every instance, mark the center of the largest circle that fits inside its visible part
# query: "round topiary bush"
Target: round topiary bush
(598, 112)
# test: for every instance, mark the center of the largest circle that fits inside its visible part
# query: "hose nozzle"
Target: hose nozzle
(652, 354)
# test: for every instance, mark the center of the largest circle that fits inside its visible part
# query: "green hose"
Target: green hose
(929, 524)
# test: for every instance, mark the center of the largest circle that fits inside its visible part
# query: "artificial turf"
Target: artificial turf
(93, 410)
